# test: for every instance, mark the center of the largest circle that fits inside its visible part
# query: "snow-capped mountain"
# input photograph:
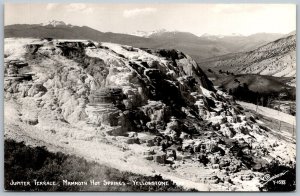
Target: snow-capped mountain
(148, 33)
(54, 23)
(212, 37)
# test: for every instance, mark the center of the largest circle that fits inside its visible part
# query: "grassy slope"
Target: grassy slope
(273, 55)
(25, 163)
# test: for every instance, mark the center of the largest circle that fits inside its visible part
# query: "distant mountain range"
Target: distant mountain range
(198, 47)
(242, 43)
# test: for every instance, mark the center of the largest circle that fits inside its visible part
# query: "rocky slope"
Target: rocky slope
(139, 107)
(277, 58)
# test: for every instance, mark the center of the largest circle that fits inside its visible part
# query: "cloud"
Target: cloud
(138, 12)
(51, 6)
(79, 7)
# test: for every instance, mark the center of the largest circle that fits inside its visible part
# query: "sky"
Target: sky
(214, 19)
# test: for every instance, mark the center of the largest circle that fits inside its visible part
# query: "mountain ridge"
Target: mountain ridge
(198, 47)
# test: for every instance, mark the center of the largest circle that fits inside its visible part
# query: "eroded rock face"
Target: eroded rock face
(36, 89)
(163, 93)
(103, 106)
(17, 78)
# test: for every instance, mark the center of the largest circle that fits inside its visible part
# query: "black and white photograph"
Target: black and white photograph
(149, 97)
